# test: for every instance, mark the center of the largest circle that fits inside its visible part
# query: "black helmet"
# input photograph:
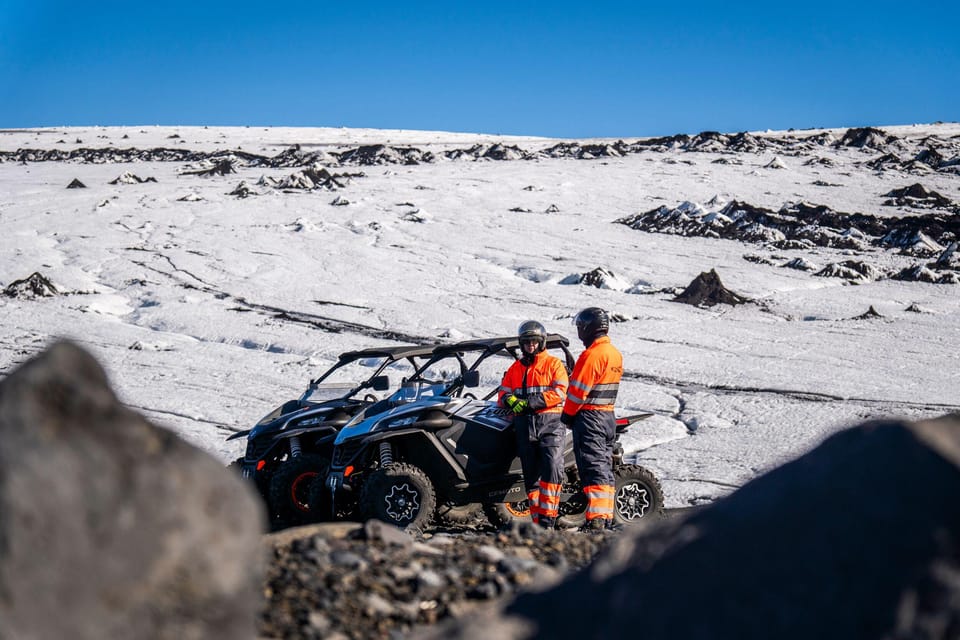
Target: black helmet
(531, 329)
(592, 323)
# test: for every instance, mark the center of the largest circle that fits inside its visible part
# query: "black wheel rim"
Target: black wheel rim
(300, 491)
(632, 501)
(402, 502)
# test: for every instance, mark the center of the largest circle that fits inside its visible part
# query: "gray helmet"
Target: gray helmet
(533, 330)
(591, 323)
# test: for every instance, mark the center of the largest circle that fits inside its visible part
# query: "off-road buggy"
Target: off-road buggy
(423, 451)
(291, 445)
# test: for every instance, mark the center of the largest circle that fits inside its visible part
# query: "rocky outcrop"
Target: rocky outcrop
(34, 286)
(706, 290)
(802, 225)
(112, 527)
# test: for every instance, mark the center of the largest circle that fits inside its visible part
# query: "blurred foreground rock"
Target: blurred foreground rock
(860, 538)
(111, 527)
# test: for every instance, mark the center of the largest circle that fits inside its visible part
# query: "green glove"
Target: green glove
(516, 405)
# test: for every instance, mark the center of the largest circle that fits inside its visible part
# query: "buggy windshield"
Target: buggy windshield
(354, 377)
(413, 391)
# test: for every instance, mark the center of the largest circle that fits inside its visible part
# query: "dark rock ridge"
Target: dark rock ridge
(587, 151)
(377, 154)
(808, 550)
(802, 223)
(931, 158)
(112, 527)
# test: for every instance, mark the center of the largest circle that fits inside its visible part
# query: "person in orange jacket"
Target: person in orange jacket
(534, 388)
(588, 411)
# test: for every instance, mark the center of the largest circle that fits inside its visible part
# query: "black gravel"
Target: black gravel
(374, 581)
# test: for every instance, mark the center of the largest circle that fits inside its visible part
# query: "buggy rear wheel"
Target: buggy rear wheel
(501, 514)
(638, 495)
(458, 515)
(400, 494)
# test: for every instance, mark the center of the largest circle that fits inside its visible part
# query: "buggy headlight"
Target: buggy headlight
(400, 422)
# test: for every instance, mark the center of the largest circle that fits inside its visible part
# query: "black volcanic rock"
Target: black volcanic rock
(706, 290)
(221, 167)
(919, 197)
(853, 270)
(930, 157)
(373, 581)
(865, 137)
(243, 190)
(869, 314)
(36, 285)
(130, 178)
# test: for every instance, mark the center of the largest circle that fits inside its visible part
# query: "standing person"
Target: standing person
(534, 388)
(588, 411)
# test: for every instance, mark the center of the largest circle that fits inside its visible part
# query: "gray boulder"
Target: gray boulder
(860, 538)
(111, 527)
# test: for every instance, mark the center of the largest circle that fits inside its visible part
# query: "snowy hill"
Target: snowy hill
(214, 270)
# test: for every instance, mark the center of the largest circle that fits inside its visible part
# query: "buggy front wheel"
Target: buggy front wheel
(400, 494)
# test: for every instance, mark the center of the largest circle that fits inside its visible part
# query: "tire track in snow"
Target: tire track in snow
(324, 323)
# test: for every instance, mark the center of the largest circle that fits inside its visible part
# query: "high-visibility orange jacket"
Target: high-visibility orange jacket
(542, 383)
(595, 380)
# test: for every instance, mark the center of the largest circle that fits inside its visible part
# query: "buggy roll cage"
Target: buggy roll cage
(388, 356)
(507, 346)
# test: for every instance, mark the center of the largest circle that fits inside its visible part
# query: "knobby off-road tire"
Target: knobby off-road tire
(459, 515)
(290, 489)
(638, 497)
(401, 495)
(502, 514)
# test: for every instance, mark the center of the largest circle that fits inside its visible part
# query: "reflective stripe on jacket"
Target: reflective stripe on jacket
(543, 384)
(595, 380)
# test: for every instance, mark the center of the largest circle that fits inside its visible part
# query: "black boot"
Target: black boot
(597, 525)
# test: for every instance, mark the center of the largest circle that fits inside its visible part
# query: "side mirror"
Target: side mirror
(471, 379)
(381, 383)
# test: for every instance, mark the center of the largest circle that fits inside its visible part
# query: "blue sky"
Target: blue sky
(560, 69)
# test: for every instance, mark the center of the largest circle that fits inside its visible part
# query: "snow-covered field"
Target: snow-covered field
(208, 309)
